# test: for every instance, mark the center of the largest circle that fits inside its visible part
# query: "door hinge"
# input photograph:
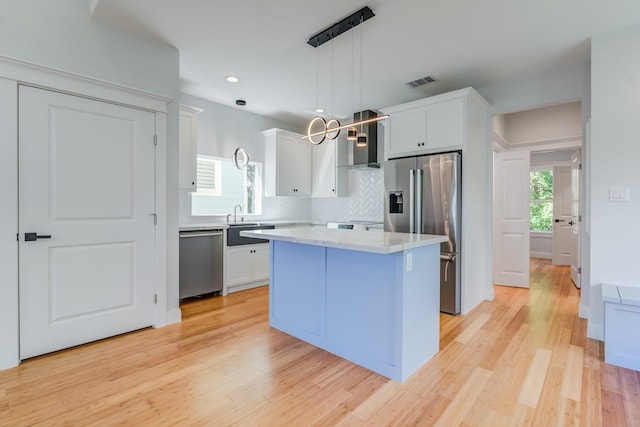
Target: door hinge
(580, 166)
(155, 139)
(580, 218)
(155, 218)
(155, 298)
(579, 270)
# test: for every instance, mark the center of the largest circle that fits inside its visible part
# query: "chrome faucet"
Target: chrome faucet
(235, 220)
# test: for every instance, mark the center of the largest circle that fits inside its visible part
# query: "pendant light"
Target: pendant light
(320, 129)
(352, 132)
(361, 138)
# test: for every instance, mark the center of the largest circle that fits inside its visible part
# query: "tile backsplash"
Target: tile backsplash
(364, 203)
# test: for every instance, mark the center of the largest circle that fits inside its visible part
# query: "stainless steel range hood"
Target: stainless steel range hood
(366, 156)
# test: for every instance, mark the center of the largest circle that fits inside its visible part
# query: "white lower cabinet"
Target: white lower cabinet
(247, 266)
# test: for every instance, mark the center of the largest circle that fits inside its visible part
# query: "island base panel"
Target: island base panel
(364, 307)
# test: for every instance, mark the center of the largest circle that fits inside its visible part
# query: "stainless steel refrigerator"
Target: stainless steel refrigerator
(423, 195)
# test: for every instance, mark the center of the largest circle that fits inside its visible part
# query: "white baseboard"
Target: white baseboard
(545, 255)
(232, 289)
(490, 294)
(174, 316)
(8, 361)
(595, 331)
(584, 311)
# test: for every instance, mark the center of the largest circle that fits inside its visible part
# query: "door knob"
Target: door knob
(570, 222)
(559, 220)
(32, 237)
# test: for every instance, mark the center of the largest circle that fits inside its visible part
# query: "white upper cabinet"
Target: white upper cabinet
(287, 164)
(429, 125)
(329, 170)
(188, 142)
(406, 131)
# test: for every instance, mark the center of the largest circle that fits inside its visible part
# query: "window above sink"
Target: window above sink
(221, 186)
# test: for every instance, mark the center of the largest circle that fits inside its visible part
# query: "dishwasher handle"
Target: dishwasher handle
(204, 234)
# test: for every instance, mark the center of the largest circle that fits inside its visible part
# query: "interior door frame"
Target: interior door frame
(14, 72)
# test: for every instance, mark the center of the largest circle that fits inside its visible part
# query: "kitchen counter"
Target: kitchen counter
(374, 241)
(224, 226)
(371, 297)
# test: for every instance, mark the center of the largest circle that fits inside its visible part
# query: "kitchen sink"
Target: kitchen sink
(235, 239)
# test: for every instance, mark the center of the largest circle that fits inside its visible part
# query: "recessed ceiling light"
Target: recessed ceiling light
(319, 110)
(232, 79)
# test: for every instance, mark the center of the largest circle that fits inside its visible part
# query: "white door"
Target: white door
(86, 180)
(576, 178)
(511, 218)
(562, 240)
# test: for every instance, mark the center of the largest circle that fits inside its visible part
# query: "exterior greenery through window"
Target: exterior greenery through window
(541, 200)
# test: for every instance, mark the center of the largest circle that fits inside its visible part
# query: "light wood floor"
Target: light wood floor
(522, 359)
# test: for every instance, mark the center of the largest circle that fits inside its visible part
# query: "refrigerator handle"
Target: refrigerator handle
(412, 195)
(419, 202)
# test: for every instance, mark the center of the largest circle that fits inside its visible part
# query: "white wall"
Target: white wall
(540, 245)
(62, 36)
(553, 123)
(547, 89)
(8, 224)
(222, 129)
(615, 149)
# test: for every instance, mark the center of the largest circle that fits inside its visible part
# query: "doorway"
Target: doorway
(545, 205)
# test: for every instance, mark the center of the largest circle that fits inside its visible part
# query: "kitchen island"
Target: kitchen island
(371, 297)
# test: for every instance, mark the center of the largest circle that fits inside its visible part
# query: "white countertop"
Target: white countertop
(376, 241)
(223, 226)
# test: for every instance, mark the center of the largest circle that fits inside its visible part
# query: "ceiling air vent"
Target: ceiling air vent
(422, 81)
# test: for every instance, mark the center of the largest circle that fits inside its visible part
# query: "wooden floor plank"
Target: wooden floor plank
(532, 387)
(224, 365)
(572, 380)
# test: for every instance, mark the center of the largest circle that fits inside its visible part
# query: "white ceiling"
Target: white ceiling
(460, 42)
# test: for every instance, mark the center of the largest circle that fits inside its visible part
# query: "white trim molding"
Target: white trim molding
(76, 84)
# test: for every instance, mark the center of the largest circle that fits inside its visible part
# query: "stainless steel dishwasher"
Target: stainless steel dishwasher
(201, 254)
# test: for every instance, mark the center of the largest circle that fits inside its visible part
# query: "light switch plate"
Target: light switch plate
(619, 194)
(409, 261)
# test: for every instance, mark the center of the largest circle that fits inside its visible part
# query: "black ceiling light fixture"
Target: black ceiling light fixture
(319, 129)
(341, 26)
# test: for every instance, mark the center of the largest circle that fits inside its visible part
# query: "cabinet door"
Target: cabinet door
(287, 164)
(323, 178)
(260, 262)
(188, 142)
(445, 124)
(302, 168)
(239, 265)
(284, 167)
(406, 132)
